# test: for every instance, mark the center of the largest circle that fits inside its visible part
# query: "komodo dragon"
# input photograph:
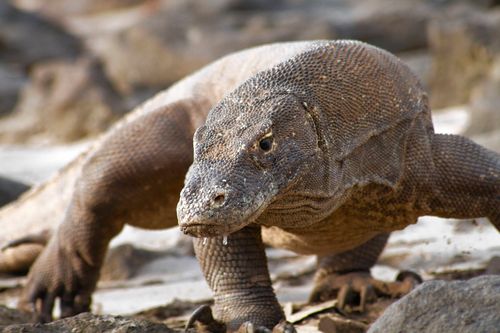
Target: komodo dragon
(327, 153)
(324, 147)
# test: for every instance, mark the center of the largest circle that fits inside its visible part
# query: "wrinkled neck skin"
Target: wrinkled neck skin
(308, 200)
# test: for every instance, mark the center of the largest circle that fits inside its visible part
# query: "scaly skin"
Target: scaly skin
(133, 174)
(327, 153)
(43, 208)
(240, 280)
(327, 193)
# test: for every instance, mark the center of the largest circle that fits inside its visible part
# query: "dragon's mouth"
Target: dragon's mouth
(204, 229)
(199, 221)
(199, 228)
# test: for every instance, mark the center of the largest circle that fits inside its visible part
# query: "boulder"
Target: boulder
(10, 190)
(87, 322)
(10, 316)
(171, 39)
(61, 8)
(464, 43)
(470, 306)
(146, 45)
(25, 39)
(420, 63)
(181, 36)
(392, 25)
(485, 103)
(65, 100)
(490, 140)
(124, 261)
(12, 80)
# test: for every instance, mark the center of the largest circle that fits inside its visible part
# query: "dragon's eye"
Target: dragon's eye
(266, 143)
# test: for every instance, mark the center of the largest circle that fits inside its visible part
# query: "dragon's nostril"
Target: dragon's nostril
(219, 199)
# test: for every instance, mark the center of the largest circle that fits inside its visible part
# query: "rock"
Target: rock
(464, 43)
(485, 102)
(490, 140)
(58, 8)
(493, 266)
(65, 100)
(87, 322)
(176, 308)
(177, 37)
(338, 324)
(420, 63)
(10, 190)
(10, 316)
(26, 38)
(147, 45)
(470, 306)
(392, 25)
(181, 36)
(123, 262)
(12, 80)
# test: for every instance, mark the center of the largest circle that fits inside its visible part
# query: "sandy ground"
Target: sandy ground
(432, 247)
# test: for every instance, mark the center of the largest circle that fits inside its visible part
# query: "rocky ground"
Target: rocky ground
(69, 69)
(165, 286)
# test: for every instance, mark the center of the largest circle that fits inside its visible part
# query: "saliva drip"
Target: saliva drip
(224, 240)
(204, 241)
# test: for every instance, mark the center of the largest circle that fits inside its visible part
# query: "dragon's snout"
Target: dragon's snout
(203, 211)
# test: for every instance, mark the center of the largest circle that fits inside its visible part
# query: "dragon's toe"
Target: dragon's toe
(356, 289)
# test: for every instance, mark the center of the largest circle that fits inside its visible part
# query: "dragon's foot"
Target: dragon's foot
(59, 273)
(356, 289)
(202, 320)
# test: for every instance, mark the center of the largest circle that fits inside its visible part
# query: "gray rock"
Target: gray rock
(12, 80)
(10, 316)
(420, 63)
(10, 190)
(65, 100)
(26, 38)
(464, 43)
(471, 306)
(61, 8)
(123, 262)
(183, 35)
(485, 102)
(490, 140)
(87, 322)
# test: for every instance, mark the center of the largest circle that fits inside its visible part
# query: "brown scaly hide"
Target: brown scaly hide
(44, 207)
(124, 177)
(358, 104)
(326, 150)
(353, 155)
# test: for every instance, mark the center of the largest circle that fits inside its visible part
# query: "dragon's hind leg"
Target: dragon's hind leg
(346, 276)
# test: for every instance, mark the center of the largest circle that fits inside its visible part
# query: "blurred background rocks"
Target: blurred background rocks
(68, 69)
(26, 39)
(465, 49)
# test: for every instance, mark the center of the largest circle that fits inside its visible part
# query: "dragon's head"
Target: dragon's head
(252, 148)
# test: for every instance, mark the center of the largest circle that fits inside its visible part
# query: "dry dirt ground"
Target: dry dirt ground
(167, 285)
